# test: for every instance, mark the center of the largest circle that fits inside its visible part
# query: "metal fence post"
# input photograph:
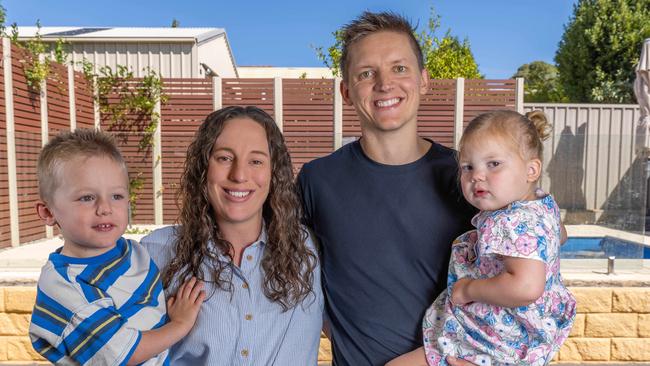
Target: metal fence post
(73, 105)
(277, 101)
(338, 114)
(45, 135)
(157, 168)
(11, 142)
(519, 95)
(217, 97)
(459, 110)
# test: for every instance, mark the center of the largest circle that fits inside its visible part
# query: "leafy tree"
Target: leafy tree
(175, 23)
(540, 82)
(444, 58)
(600, 48)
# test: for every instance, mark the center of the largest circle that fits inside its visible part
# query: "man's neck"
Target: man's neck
(393, 148)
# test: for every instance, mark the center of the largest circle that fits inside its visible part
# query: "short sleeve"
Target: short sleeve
(521, 231)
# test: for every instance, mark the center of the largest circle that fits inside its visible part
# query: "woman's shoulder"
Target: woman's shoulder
(160, 244)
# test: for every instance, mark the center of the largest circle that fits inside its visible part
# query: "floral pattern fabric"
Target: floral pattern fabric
(492, 335)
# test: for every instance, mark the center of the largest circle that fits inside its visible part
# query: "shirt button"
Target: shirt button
(244, 352)
(244, 285)
(249, 257)
(248, 317)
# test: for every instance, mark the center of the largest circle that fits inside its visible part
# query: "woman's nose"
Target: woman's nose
(238, 172)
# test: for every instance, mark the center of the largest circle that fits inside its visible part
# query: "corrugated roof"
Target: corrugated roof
(124, 33)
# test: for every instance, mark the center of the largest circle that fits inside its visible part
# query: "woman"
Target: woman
(239, 231)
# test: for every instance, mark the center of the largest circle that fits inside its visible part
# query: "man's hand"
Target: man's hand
(453, 361)
(459, 294)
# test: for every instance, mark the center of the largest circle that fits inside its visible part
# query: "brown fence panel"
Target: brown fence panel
(138, 160)
(27, 122)
(85, 110)
(436, 113)
(190, 101)
(244, 92)
(308, 119)
(5, 227)
(487, 95)
(58, 101)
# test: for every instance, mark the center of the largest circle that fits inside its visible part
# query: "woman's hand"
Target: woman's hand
(183, 308)
(453, 361)
(459, 295)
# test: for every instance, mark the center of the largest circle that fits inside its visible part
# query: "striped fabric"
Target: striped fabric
(243, 327)
(91, 311)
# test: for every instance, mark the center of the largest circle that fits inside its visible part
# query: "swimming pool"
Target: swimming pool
(603, 247)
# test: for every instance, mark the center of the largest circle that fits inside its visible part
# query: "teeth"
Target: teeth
(387, 103)
(239, 194)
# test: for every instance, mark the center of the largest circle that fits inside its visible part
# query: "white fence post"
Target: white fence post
(217, 97)
(45, 136)
(277, 102)
(96, 113)
(338, 114)
(72, 99)
(519, 95)
(157, 168)
(458, 111)
(11, 142)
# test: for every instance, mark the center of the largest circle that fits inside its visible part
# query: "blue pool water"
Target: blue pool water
(603, 247)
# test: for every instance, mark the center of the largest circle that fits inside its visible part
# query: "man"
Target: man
(387, 207)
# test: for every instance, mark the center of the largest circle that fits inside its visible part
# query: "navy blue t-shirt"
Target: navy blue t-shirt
(385, 235)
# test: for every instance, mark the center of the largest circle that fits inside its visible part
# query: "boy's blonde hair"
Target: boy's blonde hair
(524, 133)
(67, 146)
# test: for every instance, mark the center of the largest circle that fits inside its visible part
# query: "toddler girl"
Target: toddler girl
(505, 303)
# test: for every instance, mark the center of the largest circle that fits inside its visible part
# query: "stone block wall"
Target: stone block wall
(612, 325)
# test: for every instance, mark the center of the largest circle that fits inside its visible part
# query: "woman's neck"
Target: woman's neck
(240, 236)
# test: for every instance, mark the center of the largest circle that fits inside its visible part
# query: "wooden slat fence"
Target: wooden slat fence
(5, 219)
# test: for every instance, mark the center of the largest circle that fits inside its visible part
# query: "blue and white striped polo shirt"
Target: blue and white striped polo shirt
(91, 311)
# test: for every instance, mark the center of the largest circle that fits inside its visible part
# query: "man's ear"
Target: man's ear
(424, 87)
(345, 92)
(45, 213)
(534, 170)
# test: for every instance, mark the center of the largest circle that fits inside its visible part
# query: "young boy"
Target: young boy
(100, 300)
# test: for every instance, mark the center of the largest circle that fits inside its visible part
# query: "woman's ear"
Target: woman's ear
(534, 170)
(45, 213)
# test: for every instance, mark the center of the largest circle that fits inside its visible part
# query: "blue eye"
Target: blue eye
(118, 197)
(466, 168)
(366, 74)
(86, 198)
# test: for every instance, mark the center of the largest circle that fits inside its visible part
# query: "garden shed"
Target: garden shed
(171, 52)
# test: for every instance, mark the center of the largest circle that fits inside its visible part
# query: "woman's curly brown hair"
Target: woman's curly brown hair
(287, 263)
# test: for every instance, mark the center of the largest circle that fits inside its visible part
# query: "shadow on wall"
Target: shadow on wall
(625, 207)
(566, 172)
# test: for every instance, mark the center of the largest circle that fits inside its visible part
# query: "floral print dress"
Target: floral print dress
(492, 335)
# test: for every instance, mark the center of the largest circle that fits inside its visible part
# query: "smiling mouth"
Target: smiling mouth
(387, 103)
(238, 194)
(104, 227)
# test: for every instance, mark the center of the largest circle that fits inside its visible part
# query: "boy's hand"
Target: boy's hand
(459, 294)
(183, 308)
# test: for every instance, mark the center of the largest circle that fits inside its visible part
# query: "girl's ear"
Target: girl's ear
(534, 170)
(45, 213)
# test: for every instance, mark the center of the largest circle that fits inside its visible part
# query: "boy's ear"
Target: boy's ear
(45, 214)
(534, 170)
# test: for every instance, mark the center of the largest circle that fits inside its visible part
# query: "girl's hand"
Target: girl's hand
(459, 295)
(183, 308)
(453, 361)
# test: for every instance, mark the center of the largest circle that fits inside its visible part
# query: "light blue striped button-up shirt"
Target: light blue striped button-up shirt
(243, 327)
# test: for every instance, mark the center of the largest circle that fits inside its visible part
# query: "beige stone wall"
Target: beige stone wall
(612, 325)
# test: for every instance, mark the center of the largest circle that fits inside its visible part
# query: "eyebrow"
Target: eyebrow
(259, 152)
